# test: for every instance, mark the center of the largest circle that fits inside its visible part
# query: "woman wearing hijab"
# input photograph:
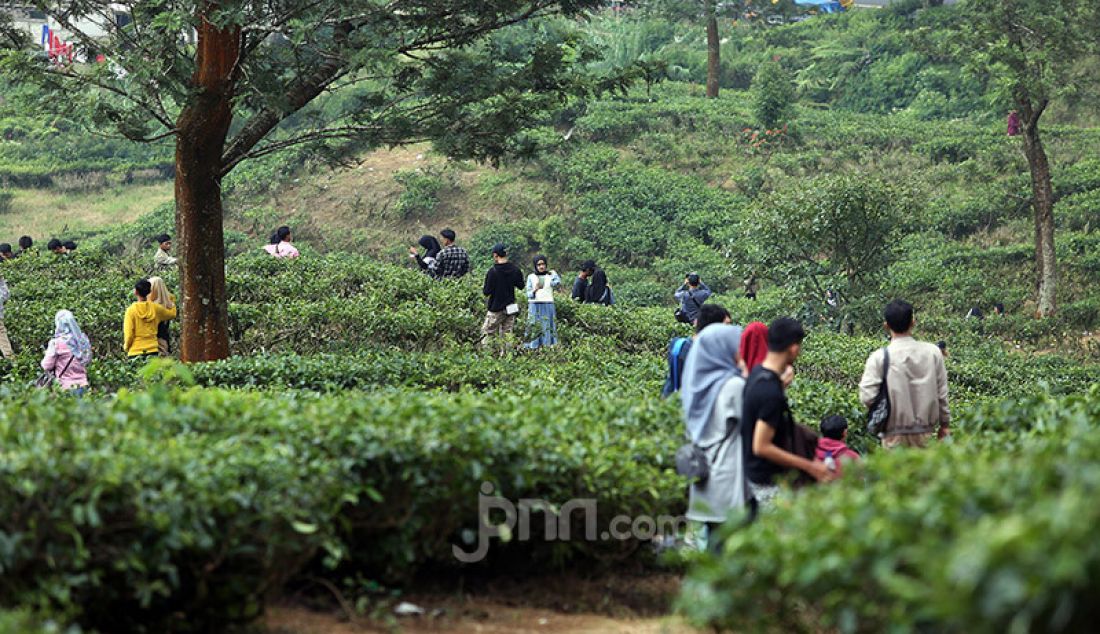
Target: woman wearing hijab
(160, 295)
(711, 398)
(280, 246)
(427, 263)
(68, 354)
(754, 345)
(599, 291)
(542, 316)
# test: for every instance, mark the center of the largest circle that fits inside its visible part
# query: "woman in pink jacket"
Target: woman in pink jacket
(68, 354)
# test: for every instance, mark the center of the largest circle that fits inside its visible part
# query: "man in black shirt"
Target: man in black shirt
(501, 283)
(580, 285)
(766, 416)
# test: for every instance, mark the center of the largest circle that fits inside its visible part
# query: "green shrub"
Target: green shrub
(421, 193)
(988, 535)
(773, 96)
(5, 201)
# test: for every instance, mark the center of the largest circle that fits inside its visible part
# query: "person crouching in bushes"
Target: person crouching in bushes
(68, 354)
(159, 295)
(834, 433)
(139, 329)
(712, 403)
(280, 244)
(427, 262)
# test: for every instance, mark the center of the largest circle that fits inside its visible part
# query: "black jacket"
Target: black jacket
(501, 283)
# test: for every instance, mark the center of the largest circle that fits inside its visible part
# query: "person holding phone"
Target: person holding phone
(542, 316)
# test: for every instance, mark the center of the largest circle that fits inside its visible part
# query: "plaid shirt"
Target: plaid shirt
(452, 261)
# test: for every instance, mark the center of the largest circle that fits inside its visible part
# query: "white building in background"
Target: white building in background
(31, 20)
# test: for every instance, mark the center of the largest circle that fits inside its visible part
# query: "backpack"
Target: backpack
(675, 371)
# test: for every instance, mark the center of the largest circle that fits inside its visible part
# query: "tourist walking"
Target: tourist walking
(501, 282)
(754, 345)
(159, 295)
(428, 261)
(691, 295)
(280, 244)
(5, 343)
(139, 327)
(768, 432)
(916, 383)
(712, 406)
(542, 315)
(679, 347)
(162, 259)
(68, 354)
(453, 262)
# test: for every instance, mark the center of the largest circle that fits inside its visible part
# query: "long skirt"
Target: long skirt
(542, 325)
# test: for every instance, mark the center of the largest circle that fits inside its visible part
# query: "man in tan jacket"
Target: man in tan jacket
(916, 383)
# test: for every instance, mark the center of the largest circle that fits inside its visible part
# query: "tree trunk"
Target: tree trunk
(714, 59)
(1043, 207)
(202, 128)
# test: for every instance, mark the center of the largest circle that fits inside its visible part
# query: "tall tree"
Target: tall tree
(220, 76)
(1027, 48)
(714, 53)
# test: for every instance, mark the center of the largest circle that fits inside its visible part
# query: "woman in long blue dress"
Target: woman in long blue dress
(542, 317)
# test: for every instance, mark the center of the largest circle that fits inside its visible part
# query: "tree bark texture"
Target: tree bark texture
(1043, 207)
(202, 128)
(714, 58)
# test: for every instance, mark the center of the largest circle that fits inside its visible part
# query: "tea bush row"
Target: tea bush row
(182, 510)
(990, 534)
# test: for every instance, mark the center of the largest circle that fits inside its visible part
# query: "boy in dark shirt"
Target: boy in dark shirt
(767, 424)
(501, 283)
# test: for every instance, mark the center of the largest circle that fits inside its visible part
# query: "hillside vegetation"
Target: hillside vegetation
(349, 438)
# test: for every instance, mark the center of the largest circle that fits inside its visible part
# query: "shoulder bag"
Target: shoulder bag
(691, 459)
(47, 380)
(879, 411)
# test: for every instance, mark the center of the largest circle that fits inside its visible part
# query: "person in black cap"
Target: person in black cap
(453, 261)
(501, 282)
(161, 259)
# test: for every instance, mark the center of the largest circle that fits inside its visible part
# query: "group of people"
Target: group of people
(26, 246)
(733, 383)
(447, 260)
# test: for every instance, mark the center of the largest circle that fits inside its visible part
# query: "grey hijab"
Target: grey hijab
(711, 362)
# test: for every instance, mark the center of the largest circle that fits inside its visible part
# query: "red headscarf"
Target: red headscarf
(754, 344)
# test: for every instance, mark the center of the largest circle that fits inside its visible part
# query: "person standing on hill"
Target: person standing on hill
(916, 383)
(427, 262)
(161, 259)
(580, 285)
(159, 295)
(68, 354)
(751, 286)
(691, 295)
(501, 282)
(542, 314)
(139, 328)
(453, 261)
(5, 343)
(599, 289)
(280, 244)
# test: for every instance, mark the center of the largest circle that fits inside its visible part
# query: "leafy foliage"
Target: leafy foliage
(773, 96)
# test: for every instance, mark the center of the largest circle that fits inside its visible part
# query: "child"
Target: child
(834, 431)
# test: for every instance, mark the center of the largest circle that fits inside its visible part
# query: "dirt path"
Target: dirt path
(626, 603)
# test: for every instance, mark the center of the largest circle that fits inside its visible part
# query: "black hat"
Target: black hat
(164, 237)
(498, 249)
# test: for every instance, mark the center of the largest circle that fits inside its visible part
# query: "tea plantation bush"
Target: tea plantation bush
(182, 510)
(991, 534)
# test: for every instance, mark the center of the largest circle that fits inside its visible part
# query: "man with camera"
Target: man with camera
(691, 295)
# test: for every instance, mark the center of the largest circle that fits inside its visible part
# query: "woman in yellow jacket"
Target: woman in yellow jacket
(139, 329)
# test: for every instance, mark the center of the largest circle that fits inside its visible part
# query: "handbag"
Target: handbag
(879, 412)
(46, 380)
(691, 459)
(511, 309)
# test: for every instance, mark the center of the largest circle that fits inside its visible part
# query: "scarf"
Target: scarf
(66, 329)
(711, 362)
(754, 344)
